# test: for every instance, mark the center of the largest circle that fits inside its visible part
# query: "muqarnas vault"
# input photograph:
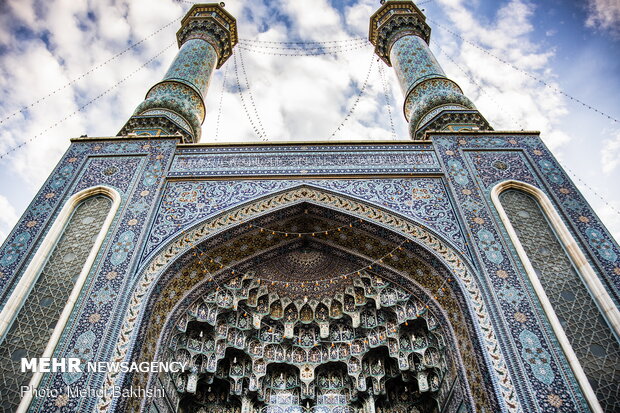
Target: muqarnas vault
(457, 271)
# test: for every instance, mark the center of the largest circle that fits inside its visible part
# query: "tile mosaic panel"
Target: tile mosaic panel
(474, 165)
(247, 161)
(424, 200)
(140, 178)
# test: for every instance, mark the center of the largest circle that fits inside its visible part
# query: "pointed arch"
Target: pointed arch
(578, 259)
(169, 256)
(31, 275)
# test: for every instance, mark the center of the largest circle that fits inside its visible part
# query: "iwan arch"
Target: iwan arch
(459, 271)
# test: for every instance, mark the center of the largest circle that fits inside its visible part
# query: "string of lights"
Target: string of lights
(605, 201)
(357, 99)
(84, 106)
(88, 72)
(311, 233)
(243, 104)
(517, 122)
(319, 52)
(307, 46)
(531, 76)
(219, 109)
(317, 282)
(202, 259)
(304, 42)
(387, 99)
(252, 102)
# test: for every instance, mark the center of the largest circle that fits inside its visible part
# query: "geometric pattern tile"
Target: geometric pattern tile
(36, 320)
(591, 338)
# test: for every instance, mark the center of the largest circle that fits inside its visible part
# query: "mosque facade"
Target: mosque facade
(459, 270)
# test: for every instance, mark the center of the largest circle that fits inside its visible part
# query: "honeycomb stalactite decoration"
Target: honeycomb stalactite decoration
(369, 342)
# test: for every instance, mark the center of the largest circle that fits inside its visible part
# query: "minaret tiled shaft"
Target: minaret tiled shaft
(432, 101)
(176, 104)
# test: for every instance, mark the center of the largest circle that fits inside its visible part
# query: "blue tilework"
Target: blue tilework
(193, 65)
(305, 162)
(85, 333)
(184, 204)
(472, 167)
(486, 160)
(413, 62)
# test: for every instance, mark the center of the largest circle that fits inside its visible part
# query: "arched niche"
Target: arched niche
(155, 275)
(368, 241)
(49, 288)
(580, 311)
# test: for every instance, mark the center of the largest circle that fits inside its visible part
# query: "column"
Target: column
(175, 106)
(432, 101)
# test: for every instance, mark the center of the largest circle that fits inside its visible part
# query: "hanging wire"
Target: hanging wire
(252, 102)
(288, 283)
(304, 42)
(303, 52)
(307, 47)
(203, 257)
(605, 201)
(311, 233)
(518, 69)
(219, 109)
(257, 131)
(102, 94)
(387, 98)
(480, 88)
(517, 122)
(357, 99)
(91, 70)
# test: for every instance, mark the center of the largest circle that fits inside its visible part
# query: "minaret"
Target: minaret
(432, 101)
(175, 106)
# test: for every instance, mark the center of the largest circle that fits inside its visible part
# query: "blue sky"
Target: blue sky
(574, 46)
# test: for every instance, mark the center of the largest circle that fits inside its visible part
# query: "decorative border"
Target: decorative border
(425, 200)
(303, 162)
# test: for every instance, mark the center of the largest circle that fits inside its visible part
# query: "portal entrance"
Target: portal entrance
(308, 309)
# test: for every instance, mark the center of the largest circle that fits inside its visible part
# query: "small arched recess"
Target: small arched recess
(582, 314)
(37, 311)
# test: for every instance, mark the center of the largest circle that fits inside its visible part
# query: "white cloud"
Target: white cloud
(45, 45)
(604, 14)
(8, 218)
(508, 98)
(610, 153)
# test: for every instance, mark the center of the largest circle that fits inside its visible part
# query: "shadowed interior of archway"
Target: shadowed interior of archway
(311, 309)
